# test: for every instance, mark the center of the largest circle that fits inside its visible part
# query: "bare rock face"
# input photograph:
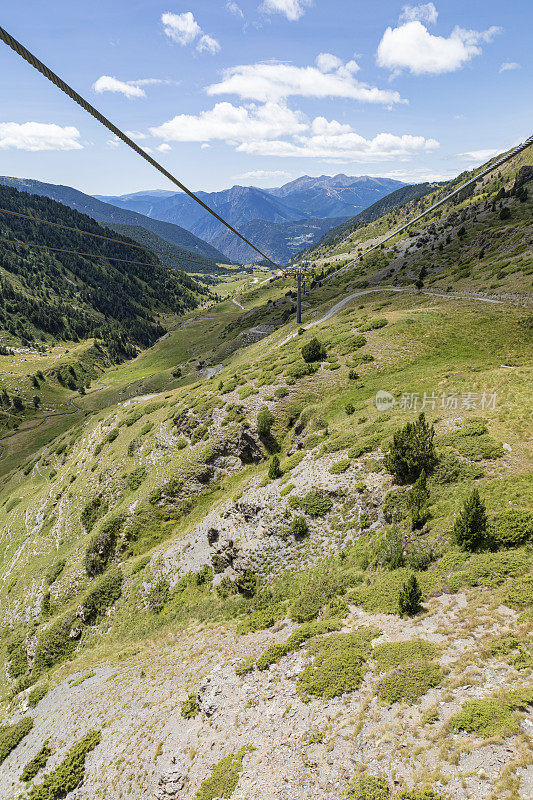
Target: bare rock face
(171, 783)
(210, 696)
(524, 175)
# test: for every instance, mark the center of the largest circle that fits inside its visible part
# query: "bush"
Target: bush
(265, 420)
(409, 682)
(158, 595)
(486, 718)
(246, 583)
(69, 774)
(54, 571)
(259, 620)
(299, 527)
(189, 707)
(55, 644)
(373, 324)
(92, 511)
(37, 694)
(313, 350)
(274, 470)
(16, 654)
(390, 549)
(417, 501)
(340, 466)
(349, 409)
(102, 595)
(12, 735)
(314, 504)
(510, 529)
(412, 450)
(135, 478)
(338, 664)
(450, 469)
(224, 778)
(469, 530)
(102, 546)
(37, 763)
(369, 787)
(393, 654)
(409, 597)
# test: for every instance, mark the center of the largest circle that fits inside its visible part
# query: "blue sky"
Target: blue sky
(262, 91)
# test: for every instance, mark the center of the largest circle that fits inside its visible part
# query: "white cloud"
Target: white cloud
(184, 29)
(136, 135)
(327, 62)
(292, 9)
(275, 82)
(478, 156)
(337, 141)
(164, 148)
(233, 8)
(181, 28)
(206, 44)
(232, 124)
(264, 175)
(37, 136)
(425, 12)
(412, 47)
(108, 84)
(509, 65)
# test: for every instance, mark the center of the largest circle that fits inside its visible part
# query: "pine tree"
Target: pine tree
(470, 526)
(412, 450)
(274, 470)
(410, 597)
(418, 500)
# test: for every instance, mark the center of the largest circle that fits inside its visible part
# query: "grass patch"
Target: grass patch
(224, 778)
(12, 735)
(69, 774)
(409, 682)
(393, 654)
(37, 763)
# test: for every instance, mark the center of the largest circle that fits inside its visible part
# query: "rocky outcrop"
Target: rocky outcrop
(524, 175)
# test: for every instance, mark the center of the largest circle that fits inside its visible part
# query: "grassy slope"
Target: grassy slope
(429, 344)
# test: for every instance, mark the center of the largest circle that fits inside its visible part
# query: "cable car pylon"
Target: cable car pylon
(302, 272)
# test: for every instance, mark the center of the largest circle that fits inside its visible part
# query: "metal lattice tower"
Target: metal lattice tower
(302, 272)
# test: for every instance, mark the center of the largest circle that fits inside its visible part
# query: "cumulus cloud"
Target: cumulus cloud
(206, 44)
(232, 124)
(164, 148)
(337, 141)
(275, 82)
(292, 9)
(509, 65)
(36, 136)
(106, 83)
(184, 29)
(272, 129)
(425, 12)
(412, 47)
(233, 8)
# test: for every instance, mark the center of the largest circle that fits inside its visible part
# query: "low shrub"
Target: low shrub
(307, 631)
(313, 350)
(292, 461)
(55, 644)
(509, 647)
(299, 527)
(340, 466)
(518, 592)
(135, 478)
(37, 694)
(101, 548)
(54, 571)
(224, 777)
(338, 664)
(69, 774)
(373, 324)
(16, 654)
(12, 735)
(389, 549)
(158, 595)
(37, 763)
(189, 707)
(449, 469)
(486, 718)
(102, 595)
(409, 682)
(259, 620)
(92, 511)
(313, 503)
(510, 529)
(393, 654)
(369, 787)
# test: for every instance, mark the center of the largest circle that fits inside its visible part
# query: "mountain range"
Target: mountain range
(316, 203)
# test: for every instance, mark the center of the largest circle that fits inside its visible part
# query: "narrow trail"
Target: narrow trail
(238, 304)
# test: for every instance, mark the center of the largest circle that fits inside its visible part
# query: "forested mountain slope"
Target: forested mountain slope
(96, 289)
(104, 212)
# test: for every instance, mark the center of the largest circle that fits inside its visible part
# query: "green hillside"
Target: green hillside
(318, 540)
